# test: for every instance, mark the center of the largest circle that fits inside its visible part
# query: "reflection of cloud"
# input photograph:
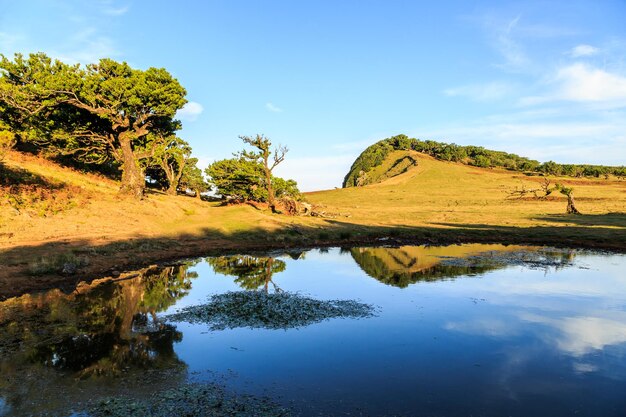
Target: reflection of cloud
(483, 326)
(583, 368)
(581, 335)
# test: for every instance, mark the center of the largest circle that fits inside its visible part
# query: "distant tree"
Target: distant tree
(237, 178)
(569, 193)
(192, 178)
(268, 161)
(104, 110)
(171, 154)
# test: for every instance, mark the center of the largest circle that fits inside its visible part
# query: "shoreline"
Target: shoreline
(119, 259)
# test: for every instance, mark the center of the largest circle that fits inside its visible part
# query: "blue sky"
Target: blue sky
(328, 78)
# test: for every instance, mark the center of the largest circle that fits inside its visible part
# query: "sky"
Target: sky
(541, 79)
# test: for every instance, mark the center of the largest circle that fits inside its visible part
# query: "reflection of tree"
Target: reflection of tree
(252, 272)
(100, 329)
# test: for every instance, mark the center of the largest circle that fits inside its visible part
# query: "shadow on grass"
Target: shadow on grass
(20, 178)
(608, 219)
(19, 262)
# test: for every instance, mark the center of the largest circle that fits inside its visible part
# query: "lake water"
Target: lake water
(466, 330)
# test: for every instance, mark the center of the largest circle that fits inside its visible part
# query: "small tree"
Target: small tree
(268, 161)
(238, 178)
(569, 193)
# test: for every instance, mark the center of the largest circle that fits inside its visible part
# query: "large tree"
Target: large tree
(103, 110)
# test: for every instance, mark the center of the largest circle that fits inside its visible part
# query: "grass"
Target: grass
(433, 202)
(442, 195)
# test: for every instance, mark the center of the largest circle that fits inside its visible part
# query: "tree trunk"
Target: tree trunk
(198, 196)
(270, 189)
(133, 178)
(171, 190)
(571, 206)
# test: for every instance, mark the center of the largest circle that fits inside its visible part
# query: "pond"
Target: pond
(463, 330)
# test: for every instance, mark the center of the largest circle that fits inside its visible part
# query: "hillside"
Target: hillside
(387, 158)
(436, 197)
(51, 216)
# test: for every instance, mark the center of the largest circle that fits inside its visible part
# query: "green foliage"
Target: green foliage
(7, 140)
(192, 178)
(252, 272)
(248, 176)
(56, 264)
(95, 113)
(286, 188)
(375, 154)
(237, 178)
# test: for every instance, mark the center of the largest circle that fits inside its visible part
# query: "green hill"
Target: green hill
(388, 158)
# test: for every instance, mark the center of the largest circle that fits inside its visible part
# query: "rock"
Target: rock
(69, 268)
(115, 273)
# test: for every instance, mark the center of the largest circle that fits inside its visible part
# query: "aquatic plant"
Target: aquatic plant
(258, 309)
(189, 400)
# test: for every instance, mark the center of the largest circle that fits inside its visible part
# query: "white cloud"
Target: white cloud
(204, 161)
(582, 82)
(599, 141)
(190, 111)
(583, 50)
(512, 52)
(116, 11)
(271, 107)
(90, 49)
(495, 90)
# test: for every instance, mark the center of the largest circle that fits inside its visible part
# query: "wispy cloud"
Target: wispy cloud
(515, 57)
(116, 11)
(87, 49)
(594, 141)
(491, 91)
(190, 111)
(583, 83)
(271, 107)
(8, 42)
(583, 50)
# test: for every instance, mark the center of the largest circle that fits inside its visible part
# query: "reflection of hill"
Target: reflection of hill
(105, 330)
(407, 265)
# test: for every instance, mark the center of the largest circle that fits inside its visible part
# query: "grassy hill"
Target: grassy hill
(52, 215)
(435, 198)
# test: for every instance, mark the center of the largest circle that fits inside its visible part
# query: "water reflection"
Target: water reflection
(252, 272)
(106, 329)
(406, 265)
(543, 332)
